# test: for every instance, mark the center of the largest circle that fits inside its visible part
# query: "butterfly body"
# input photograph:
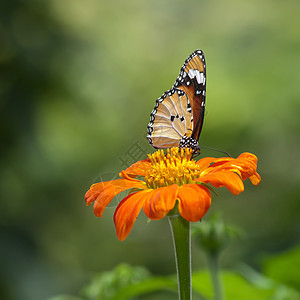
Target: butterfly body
(177, 117)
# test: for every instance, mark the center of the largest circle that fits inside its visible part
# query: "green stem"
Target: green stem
(215, 276)
(182, 246)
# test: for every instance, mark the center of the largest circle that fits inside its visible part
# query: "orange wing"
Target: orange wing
(192, 80)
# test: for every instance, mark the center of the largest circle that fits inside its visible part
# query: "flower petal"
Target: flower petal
(245, 165)
(193, 201)
(248, 156)
(127, 212)
(205, 161)
(255, 179)
(230, 180)
(139, 168)
(160, 202)
(103, 192)
(248, 164)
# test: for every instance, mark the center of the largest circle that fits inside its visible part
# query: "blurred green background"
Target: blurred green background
(78, 82)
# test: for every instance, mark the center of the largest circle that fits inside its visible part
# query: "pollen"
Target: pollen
(174, 167)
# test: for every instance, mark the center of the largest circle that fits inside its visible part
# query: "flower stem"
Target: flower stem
(215, 276)
(182, 246)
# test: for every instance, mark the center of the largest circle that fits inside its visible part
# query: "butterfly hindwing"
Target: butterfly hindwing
(170, 119)
(177, 118)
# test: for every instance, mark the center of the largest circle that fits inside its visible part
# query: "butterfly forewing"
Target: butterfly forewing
(179, 112)
(192, 80)
(170, 120)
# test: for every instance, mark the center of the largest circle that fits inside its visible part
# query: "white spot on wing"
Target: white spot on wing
(198, 76)
(192, 73)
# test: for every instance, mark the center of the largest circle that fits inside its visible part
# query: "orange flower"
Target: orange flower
(167, 179)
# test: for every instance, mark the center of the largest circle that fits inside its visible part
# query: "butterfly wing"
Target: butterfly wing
(177, 118)
(170, 119)
(192, 80)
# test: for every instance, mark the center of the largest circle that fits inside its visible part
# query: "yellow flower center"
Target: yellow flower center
(176, 167)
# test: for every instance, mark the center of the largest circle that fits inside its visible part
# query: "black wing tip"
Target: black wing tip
(197, 52)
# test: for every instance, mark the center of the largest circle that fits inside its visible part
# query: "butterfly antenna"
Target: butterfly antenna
(202, 147)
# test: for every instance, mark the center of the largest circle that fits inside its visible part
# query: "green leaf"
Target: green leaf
(126, 282)
(146, 287)
(201, 284)
(236, 287)
(106, 284)
(284, 268)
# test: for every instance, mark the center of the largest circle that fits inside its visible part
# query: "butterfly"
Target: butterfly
(177, 117)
